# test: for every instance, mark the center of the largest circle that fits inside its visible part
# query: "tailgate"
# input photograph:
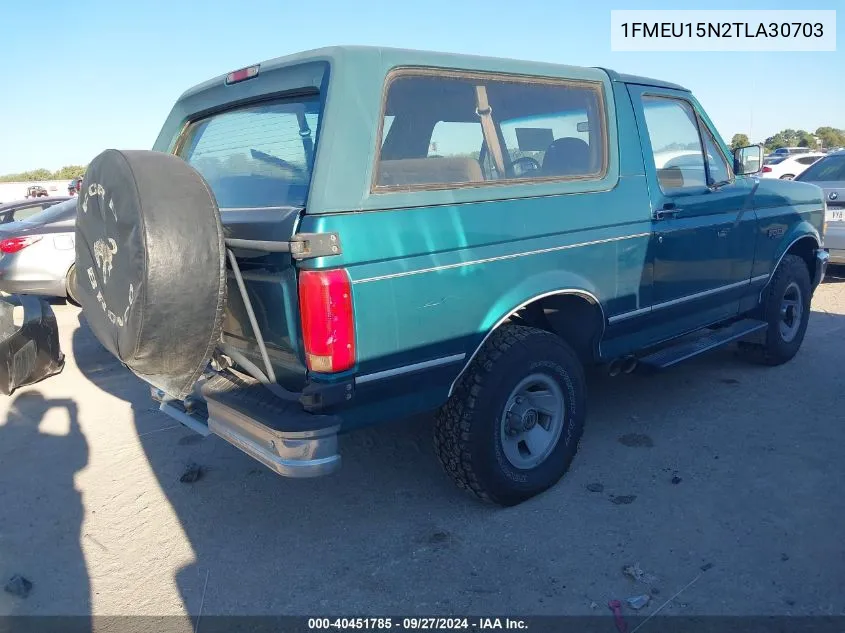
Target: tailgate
(270, 283)
(258, 158)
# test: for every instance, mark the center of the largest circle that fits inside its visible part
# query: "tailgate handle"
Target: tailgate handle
(301, 246)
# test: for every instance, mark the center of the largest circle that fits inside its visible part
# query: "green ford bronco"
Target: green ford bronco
(350, 236)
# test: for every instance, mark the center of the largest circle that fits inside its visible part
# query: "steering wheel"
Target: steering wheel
(524, 165)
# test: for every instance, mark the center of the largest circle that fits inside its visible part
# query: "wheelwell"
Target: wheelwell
(575, 318)
(805, 248)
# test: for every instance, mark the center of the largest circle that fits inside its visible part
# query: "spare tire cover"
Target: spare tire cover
(150, 262)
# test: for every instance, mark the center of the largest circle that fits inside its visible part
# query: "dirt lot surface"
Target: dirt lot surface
(718, 464)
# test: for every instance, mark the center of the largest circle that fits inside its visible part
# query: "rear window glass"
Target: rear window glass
(256, 156)
(55, 213)
(465, 129)
(828, 169)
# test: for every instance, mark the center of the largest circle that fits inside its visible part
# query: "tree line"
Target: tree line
(68, 172)
(825, 137)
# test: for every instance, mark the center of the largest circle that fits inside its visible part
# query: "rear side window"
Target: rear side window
(828, 169)
(256, 156)
(447, 129)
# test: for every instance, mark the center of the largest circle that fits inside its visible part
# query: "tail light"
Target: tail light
(766, 169)
(15, 244)
(328, 322)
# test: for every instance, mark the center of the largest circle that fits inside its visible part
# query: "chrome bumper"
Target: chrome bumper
(272, 430)
(822, 260)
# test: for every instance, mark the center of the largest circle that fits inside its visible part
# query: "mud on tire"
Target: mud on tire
(468, 434)
(150, 265)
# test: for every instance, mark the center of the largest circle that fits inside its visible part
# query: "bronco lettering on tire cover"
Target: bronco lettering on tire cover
(150, 263)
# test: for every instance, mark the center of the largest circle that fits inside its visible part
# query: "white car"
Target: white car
(790, 166)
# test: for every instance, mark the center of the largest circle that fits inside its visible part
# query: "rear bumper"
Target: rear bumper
(43, 287)
(837, 256)
(272, 428)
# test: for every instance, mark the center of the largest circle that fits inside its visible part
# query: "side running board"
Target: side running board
(700, 343)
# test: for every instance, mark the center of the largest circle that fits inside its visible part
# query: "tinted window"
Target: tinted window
(807, 160)
(673, 130)
(27, 212)
(256, 156)
(57, 212)
(439, 136)
(828, 169)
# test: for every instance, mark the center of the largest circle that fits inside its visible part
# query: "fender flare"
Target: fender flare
(532, 289)
(801, 231)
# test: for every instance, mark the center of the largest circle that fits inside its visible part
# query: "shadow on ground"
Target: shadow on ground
(42, 438)
(716, 463)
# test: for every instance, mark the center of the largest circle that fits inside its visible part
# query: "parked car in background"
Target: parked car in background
(36, 191)
(829, 174)
(23, 209)
(789, 166)
(788, 151)
(37, 254)
(298, 292)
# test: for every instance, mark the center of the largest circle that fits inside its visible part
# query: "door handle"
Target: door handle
(669, 210)
(722, 232)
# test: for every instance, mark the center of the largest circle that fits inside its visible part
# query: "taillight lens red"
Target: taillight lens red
(15, 244)
(328, 322)
(766, 169)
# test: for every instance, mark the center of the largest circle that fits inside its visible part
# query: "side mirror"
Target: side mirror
(748, 160)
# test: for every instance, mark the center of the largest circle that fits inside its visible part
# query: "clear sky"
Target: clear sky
(76, 78)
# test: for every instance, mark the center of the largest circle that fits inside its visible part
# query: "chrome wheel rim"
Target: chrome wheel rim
(791, 312)
(532, 421)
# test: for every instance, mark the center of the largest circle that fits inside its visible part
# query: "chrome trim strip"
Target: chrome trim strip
(628, 315)
(498, 258)
(565, 291)
(698, 295)
(406, 369)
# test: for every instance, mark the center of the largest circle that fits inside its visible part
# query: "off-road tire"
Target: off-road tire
(774, 350)
(467, 431)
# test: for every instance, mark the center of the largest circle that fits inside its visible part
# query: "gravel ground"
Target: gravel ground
(718, 465)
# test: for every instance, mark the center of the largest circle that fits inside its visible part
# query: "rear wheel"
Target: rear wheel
(787, 177)
(512, 426)
(70, 286)
(786, 308)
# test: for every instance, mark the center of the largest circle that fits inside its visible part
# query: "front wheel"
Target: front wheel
(786, 308)
(512, 426)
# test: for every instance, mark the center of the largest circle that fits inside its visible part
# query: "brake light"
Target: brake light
(328, 322)
(15, 244)
(766, 169)
(242, 75)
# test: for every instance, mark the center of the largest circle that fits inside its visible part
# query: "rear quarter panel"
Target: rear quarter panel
(434, 271)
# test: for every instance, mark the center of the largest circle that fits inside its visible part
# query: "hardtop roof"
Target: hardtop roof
(364, 55)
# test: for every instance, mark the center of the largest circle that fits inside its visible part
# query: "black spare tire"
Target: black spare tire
(150, 263)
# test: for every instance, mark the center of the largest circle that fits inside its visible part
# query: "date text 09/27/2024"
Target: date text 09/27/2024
(722, 29)
(417, 624)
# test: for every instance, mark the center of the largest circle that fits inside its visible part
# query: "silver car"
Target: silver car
(829, 174)
(37, 254)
